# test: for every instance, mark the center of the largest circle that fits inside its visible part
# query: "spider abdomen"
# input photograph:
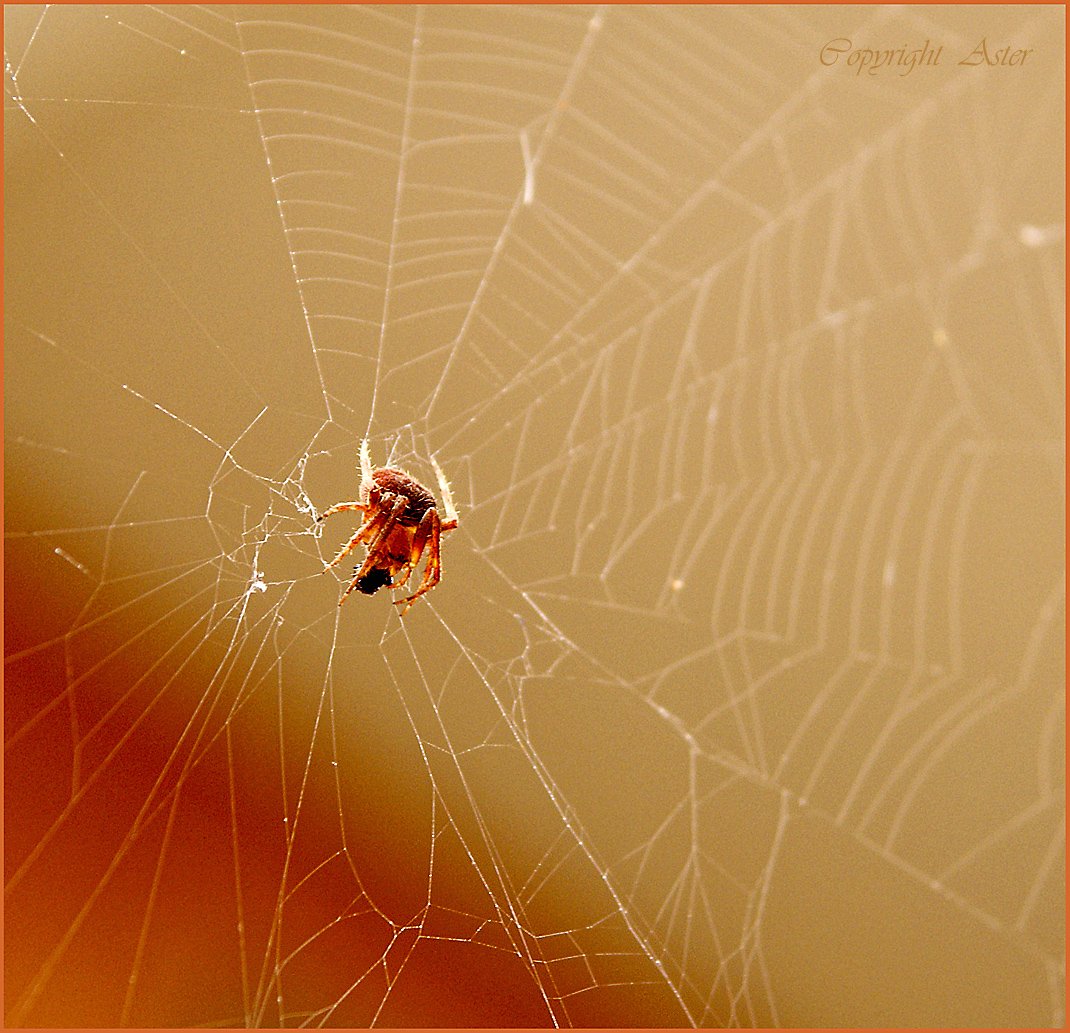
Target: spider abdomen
(397, 482)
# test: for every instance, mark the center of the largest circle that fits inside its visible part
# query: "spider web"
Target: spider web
(741, 700)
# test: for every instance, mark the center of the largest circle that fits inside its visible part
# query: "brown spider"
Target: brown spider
(400, 521)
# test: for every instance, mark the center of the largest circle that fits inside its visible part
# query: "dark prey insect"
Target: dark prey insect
(401, 520)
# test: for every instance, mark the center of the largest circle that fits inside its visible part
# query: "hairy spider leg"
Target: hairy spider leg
(365, 531)
(433, 570)
(424, 531)
(341, 507)
(387, 524)
(419, 541)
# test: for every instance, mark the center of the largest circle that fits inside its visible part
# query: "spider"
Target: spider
(400, 521)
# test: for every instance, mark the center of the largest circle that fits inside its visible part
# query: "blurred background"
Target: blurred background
(741, 699)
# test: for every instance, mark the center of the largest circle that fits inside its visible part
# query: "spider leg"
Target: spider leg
(368, 528)
(389, 521)
(341, 507)
(419, 541)
(433, 570)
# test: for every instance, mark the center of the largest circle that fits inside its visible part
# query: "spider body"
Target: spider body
(401, 521)
(397, 482)
(378, 577)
